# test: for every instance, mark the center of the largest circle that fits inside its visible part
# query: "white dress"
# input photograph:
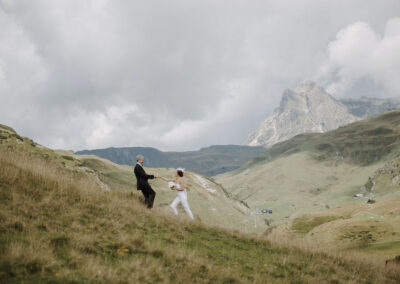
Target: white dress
(181, 198)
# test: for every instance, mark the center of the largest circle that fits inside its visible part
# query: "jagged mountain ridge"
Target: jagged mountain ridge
(306, 108)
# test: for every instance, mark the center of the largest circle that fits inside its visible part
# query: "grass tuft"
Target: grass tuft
(305, 224)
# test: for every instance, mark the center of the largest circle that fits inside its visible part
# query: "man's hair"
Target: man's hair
(138, 157)
(180, 173)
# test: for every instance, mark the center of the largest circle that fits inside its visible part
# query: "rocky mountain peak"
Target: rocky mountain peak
(305, 87)
(305, 108)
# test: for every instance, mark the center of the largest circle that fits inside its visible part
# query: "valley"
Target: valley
(339, 189)
(67, 218)
(315, 185)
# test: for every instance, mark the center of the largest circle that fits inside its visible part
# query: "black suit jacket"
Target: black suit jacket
(142, 178)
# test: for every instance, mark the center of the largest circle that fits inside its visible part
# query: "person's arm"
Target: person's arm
(165, 179)
(143, 174)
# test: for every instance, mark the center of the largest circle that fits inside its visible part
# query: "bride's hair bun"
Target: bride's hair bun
(180, 171)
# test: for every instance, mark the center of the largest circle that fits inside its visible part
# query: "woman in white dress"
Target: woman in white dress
(179, 185)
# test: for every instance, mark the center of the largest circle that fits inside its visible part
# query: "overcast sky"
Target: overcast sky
(180, 75)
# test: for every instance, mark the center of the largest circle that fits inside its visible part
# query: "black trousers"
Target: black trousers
(149, 196)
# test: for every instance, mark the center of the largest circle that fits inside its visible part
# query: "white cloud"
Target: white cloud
(16, 50)
(359, 52)
(178, 74)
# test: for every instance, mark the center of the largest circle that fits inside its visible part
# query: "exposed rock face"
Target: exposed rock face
(306, 108)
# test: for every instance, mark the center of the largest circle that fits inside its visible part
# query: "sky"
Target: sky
(181, 75)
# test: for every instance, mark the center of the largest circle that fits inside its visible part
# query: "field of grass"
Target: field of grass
(58, 225)
(316, 172)
(309, 182)
(207, 200)
(370, 229)
(386, 180)
(297, 184)
(381, 247)
(305, 224)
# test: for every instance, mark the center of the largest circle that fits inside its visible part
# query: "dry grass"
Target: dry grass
(358, 259)
(57, 225)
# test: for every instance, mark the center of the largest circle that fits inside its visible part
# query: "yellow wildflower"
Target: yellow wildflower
(122, 250)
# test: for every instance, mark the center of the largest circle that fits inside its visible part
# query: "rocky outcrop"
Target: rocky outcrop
(306, 108)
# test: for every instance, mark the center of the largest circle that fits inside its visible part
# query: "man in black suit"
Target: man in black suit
(142, 182)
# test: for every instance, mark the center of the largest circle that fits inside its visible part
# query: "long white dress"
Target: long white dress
(181, 198)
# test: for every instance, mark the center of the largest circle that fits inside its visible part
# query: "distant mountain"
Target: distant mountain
(208, 161)
(361, 143)
(306, 108)
(364, 107)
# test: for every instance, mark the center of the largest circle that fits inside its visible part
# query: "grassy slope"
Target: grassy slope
(207, 200)
(7, 129)
(361, 143)
(386, 180)
(59, 226)
(309, 183)
(312, 172)
(367, 228)
(297, 184)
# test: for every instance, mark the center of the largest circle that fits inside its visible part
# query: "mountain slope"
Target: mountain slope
(306, 108)
(208, 200)
(59, 225)
(207, 161)
(363, 142)
(372, 229)
(315, 172)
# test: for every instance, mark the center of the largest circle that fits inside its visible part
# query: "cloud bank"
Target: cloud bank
(360, 54)
(180, 75)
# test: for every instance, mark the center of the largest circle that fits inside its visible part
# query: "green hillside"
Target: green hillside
(371, 229)
(207, 161)
(7, 129)
(64, 224)
(361, 143)
(208, 200)
(385, 180)
(318, 185)
(315, 172)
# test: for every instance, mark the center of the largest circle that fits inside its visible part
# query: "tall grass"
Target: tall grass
(57, 225)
